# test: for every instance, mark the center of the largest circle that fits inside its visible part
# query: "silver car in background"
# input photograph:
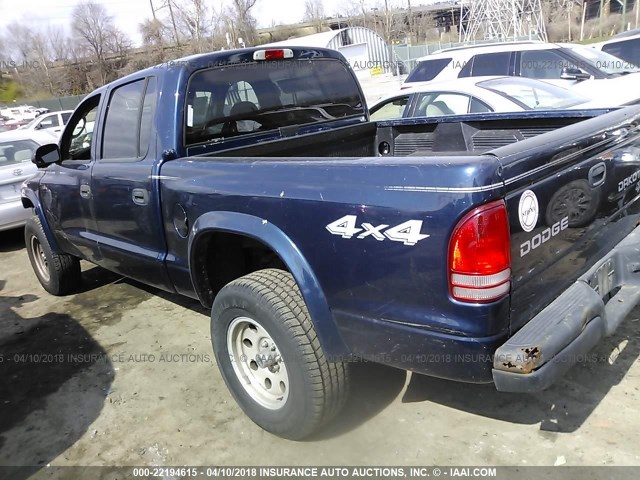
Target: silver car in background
(16, 148)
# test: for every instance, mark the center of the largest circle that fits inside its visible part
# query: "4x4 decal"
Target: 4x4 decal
(407, 232)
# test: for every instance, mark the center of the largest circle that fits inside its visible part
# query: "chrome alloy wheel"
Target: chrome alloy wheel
(257, 363)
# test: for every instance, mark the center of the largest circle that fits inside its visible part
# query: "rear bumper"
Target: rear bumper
(566, 330)
(13, 215)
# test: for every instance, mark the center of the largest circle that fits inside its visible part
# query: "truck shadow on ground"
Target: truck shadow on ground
(563, 408)
(367, 399)
(55, 378)
(373, 388)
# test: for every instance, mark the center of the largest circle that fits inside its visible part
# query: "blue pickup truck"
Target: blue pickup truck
(489, 248)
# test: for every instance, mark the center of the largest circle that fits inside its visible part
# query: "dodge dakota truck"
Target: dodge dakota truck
(489, 248)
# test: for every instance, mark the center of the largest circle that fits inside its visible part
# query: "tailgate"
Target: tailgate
(572, 195)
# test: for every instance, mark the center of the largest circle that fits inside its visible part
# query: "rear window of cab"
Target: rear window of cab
(237, 100)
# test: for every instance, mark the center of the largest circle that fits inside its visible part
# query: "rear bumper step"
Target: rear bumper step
(555, 339)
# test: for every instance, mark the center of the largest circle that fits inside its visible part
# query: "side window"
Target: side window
(478, 106)
(427, 70)
(49, 122)
(77, 138)
(120, 138)
(146, 118)
(392, 109)
(543, 64)
(65, 117)
(628, 50)
(487, 64)
(441, 104)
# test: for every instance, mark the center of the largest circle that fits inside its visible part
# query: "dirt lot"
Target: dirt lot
(120, 374)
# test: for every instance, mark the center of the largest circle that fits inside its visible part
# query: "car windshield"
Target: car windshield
(244, 99)
(604, 61)
(16, 151)
(533, 94)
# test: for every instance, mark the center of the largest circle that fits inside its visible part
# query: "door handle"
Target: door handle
(140, 196)
(597, 174)
(85, 191)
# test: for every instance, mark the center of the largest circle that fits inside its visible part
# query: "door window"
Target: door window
(128, 125)
(543, 64)
(628, 50)
(78, 136)
(393, 108)
(427, 70)
(146, 118)
(487, 64)
(49, 122)
(121, 125)
(442, 104)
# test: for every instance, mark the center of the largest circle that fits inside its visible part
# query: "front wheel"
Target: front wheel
(270, 356)
(59, 274)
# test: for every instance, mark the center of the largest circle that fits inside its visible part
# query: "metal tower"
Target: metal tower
(501, 20)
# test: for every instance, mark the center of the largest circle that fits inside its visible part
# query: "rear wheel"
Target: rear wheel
(270, 356)
(59, 274)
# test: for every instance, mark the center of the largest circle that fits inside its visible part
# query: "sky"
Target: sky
(129, 13)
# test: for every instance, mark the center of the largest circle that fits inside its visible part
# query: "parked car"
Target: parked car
(624, 46)
(52, 123)
(479, 95)
(587, 70)
(316, 236)
(22, 113)
(16, 150)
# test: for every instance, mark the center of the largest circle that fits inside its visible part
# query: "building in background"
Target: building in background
(364, 49)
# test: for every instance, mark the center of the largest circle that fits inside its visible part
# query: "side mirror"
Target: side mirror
(38, 127)
(573, 73)
(46, 155)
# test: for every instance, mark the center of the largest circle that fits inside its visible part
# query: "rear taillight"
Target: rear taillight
(480, 255)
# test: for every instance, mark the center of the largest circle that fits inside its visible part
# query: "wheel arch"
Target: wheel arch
(273, 238)
(30, 200)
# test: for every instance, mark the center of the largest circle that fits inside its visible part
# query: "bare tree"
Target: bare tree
(364, 12)
(96, 31)
(195, 21)
(314, 13)
(41, 49)
(244, 22)
(18, 38)
(59, 43)
(153, 32)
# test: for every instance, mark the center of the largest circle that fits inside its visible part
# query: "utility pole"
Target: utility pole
(601, 12)
(153, 10)
(624, 15)
(584, 16)
(410, 23)
(173, 22)
(569, 10)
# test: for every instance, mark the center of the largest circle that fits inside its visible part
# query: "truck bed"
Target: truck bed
(466, 135)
